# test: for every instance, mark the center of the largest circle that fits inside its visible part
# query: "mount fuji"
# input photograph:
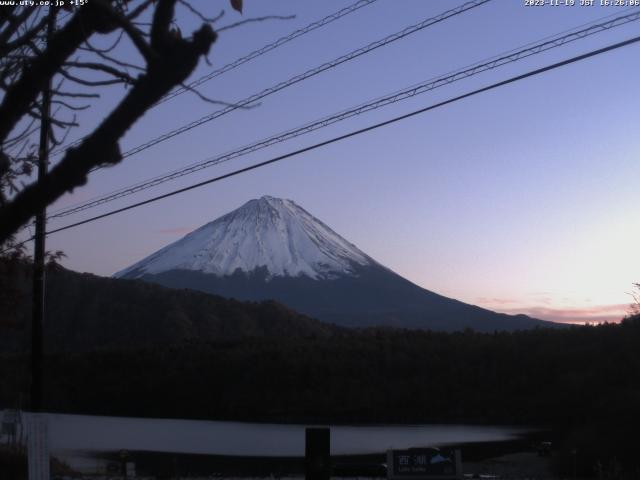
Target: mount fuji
(271, 248)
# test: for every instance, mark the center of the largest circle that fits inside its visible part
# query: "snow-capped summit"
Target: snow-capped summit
(268, 232)
(272, 249)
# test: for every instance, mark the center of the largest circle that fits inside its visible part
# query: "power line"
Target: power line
(247, 102)
(309, 73)
(242, 60)
(212, 160)
(354, 133)
(267, 48)
(250, 56)
(404, 94)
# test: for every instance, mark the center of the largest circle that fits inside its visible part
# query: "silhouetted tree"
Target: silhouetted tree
(28, 63)
(635, 294)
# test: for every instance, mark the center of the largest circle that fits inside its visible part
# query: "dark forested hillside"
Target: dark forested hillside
(581, 381)
(273, 249)
(540, 377)
(374, 297)
(85, 312)
(207, 357)
(189, 354)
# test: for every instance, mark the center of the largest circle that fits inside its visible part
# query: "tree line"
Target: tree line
(580, 382)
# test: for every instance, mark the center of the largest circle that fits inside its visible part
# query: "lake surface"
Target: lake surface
(95, 433)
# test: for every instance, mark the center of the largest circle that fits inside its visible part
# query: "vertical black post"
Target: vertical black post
(124, 457)
(37, 315)
(317, 457)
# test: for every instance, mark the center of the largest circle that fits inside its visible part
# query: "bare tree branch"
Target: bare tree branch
(90, 83)
(60, 93)
(254, 20)
(19, 135)
(217, 102)
(33, 79)
(198, 14)
(69, 106)
(29, 64)
(137, 37)
(123, 76)
(94, 49)
(27, 37)
(175, 61)
(55, 121)
(162, 18)
(135, 13)
(14, 24)
(113, 60)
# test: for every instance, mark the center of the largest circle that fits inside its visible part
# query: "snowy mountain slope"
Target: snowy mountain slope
(268, 232)
(273, 249)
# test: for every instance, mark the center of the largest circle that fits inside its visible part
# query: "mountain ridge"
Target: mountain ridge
(267, 232)
(271, 248)
(87, 312)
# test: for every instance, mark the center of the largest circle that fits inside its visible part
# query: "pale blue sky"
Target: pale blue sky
(521, 199)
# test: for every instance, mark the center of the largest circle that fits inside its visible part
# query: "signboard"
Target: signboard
(130, 468)
(38, 447)
(424, 463)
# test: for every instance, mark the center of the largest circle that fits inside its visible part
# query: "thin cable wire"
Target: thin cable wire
(242, 60)
(250, 56)
(493, 86)
(428, 85)
(267, 48)
(485, 60)
(247, 102)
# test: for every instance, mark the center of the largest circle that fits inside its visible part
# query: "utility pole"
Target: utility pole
(37, 315)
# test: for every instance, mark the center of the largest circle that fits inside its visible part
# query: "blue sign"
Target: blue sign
(424, 463)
